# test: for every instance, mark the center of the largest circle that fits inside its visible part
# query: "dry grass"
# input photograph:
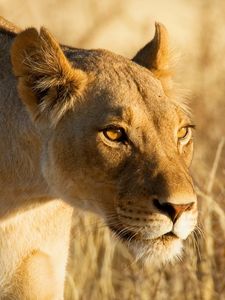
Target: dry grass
(100, 267)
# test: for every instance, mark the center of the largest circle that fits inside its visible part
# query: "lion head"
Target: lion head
(115, 138)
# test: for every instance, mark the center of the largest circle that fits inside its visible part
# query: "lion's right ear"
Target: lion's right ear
(48, 84)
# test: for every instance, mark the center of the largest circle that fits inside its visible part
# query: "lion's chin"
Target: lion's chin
(158, 251)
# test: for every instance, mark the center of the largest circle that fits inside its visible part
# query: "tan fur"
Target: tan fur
(156, 57)
(39, 61)
(36, 276)
(55, 111)
(8, 26)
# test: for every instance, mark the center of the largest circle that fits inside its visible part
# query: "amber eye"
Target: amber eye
(114, 134)
(184, 134)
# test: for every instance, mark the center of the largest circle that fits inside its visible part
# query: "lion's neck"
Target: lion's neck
(21, 181)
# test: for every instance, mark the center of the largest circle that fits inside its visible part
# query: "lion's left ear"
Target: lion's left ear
(155, 56)
(48, 84)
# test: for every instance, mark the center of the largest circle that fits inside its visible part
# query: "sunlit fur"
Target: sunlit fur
(55, 103)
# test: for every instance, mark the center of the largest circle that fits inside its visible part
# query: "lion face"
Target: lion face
(114, 141)
(129, 164)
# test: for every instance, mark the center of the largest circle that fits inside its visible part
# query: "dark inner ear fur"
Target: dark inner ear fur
(40, 95)
(48, 85)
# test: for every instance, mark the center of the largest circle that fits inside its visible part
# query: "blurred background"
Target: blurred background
(100, 267)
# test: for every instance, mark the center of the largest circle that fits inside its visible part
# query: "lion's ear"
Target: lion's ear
(155, 56)
(48, 84)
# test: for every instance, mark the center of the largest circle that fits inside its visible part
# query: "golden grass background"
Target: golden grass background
(100, 267)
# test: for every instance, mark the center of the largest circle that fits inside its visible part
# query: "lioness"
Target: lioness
(103, 133)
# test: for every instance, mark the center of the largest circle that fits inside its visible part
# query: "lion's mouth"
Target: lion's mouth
(127, 235)
(159, 250)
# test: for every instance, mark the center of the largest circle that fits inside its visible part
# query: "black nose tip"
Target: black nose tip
(174, 211)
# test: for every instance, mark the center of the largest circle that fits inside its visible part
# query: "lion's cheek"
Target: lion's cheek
(81, 185)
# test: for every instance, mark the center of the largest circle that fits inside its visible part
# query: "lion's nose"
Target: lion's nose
(172, 210)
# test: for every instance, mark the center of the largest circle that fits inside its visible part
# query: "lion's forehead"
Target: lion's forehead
(115, 71)
(126, 91)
